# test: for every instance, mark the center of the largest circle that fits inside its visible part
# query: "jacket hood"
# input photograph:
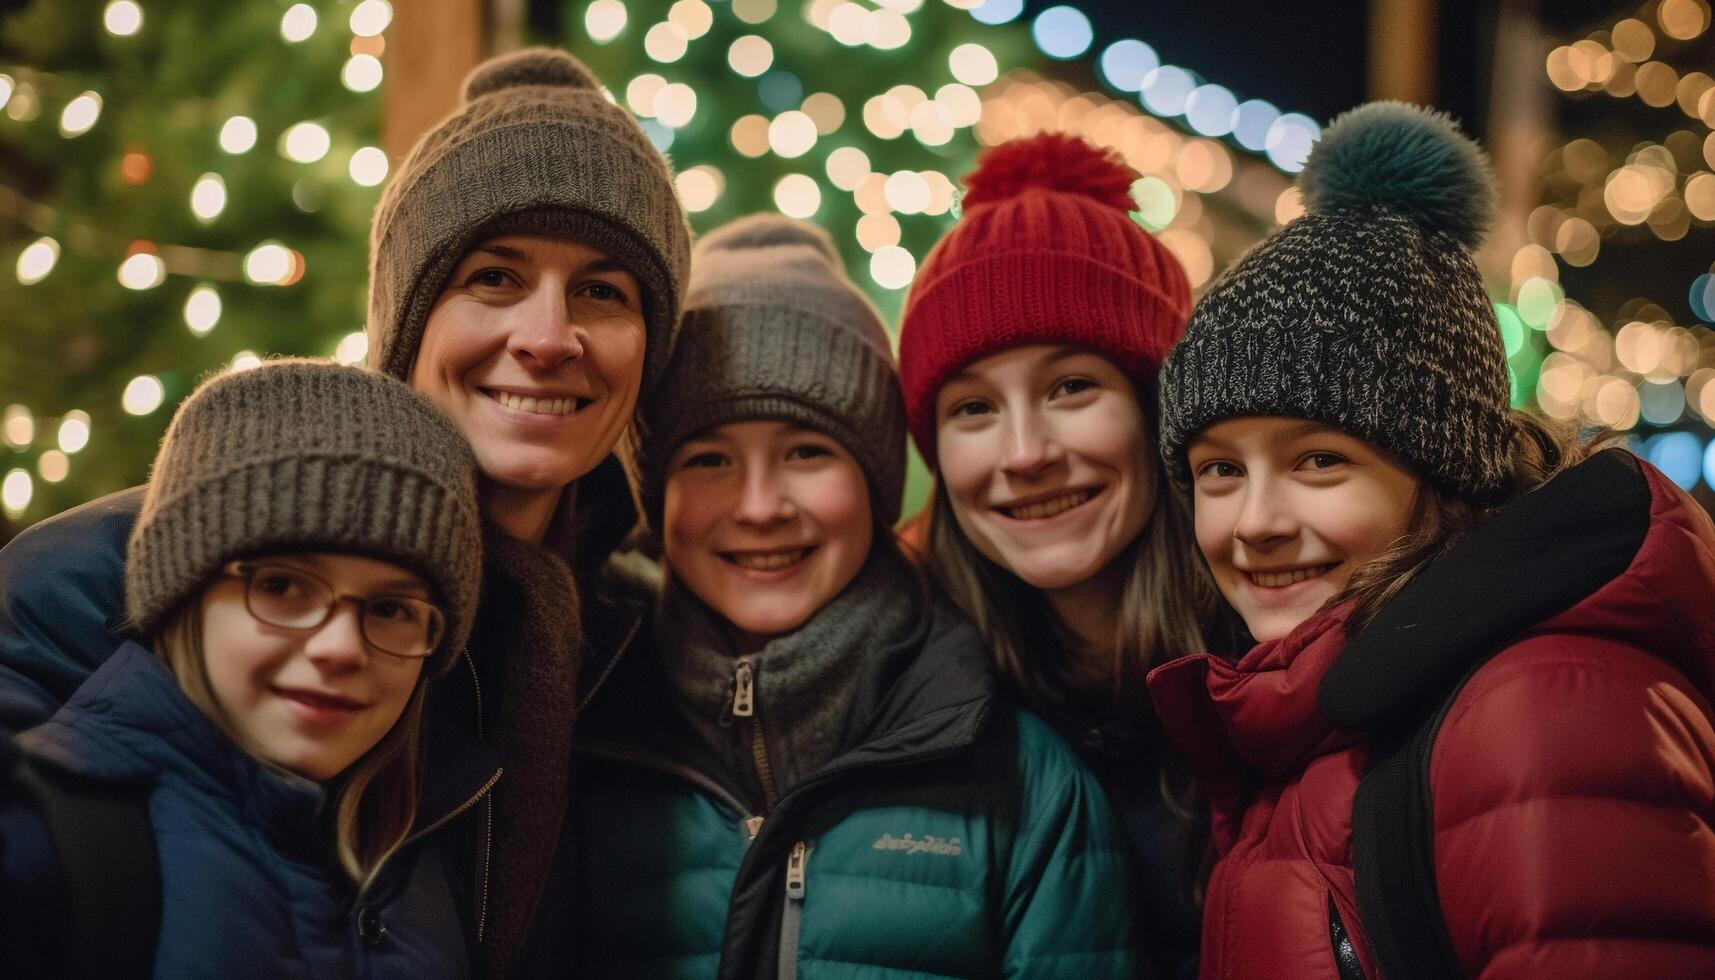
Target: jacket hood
(1609, 548)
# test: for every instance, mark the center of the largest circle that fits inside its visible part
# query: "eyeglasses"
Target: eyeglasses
(291, 598)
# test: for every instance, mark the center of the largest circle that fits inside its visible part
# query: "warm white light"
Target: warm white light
(80, 115)
(932, 124)
(202, 310)
(797, 196)
(362, 73)
(143, 395)
(693, 17)
(298, 23)
(208, 197)
(907, 192)
(368, 166)
(964, 107)
(74, 431)
(15, 492)
(750, 55)
(54, 466)
(144, 270)
(18, 427)
(849, 24)
(640, 94)
(353, 348)
(306, 142)
(238, 134)
(827, 110)
(847, 167)
(754, 11)
(37, 260)
(877, 231)
(604, 20)
(7, 86)
(122, 18)
(371, 17)
(244, 360)
(268, 264)
(698, 187)
(892, 267)
(665, 42)
(792, 134)
(887, 30)
(675, 105)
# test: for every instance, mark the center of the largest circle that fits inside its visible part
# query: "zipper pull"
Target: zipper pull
(795, 871)
(753, 826)
(744, 690)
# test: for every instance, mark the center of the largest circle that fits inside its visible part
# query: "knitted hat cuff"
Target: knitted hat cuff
(1019, 297)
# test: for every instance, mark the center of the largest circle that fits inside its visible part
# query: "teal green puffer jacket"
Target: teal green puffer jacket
(954, 836)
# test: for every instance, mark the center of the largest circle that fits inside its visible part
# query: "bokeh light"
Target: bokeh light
(1210, 109)
(73, 434)
(1062, 32)
(352, 348)
(37, 260)
(122, 18)
(238, 135)
(847, 167)
(604, 20)
(694, 17)
(699, 187)
(208, 197)
(750, 55)
(973, 64)
(202, 310)
(298, 23)
(269, 264)
(80, 115)
(54, 466)
(828, 112)
(143, 395)
(1679, 456)
(997, 11)
(1166, 89)
(142, 270)
(892, 267)
(368, 166)
(1289, 141)
(1125, 63)
(371, 17)
(306, 142)
(666, 42)
(797, 195)
(362, 73)
(15, 493)
(1252, 120)
(17, 427)
(792, 134)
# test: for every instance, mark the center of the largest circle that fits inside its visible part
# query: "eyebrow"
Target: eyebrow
(405, 584)
(597, 266)
(1278, 438)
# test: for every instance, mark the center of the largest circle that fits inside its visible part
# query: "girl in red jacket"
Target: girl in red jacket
(1534, 679)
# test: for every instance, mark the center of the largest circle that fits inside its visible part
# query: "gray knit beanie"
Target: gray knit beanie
(1367, 313)
(774, 330)
(537, 148)
(308, 455)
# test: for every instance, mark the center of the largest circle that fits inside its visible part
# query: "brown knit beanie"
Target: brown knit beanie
(774, 330)
(299, 455)
(537, 148)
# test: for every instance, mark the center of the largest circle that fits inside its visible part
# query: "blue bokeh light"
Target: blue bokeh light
(780, 90)
(1251, 121)
(998, 11)
(1289, 141)
(1709, 465)
(1124, 63)
(1703, 297)
(1661, 404)
(1678, 455)
(1165, 90)
(1209, 109)
(659, 134)
(1062, 32)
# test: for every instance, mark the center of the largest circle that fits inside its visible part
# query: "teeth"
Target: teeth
(538, 406)
(772, 561)
(1048, 508)
(1279, 580)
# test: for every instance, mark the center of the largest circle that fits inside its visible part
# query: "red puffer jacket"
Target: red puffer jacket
(1573, 778)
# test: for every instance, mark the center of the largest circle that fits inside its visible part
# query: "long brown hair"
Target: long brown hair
(1540, 450)
(376, 796)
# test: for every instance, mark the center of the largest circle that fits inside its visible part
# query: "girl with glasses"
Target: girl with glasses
(307, 558)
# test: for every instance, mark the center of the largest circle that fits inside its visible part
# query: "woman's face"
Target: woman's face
(765, 522)
(535, 350)
(1287, 509)
(1047, 462)
(314, 700)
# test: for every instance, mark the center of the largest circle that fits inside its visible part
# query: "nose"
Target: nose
(1265, 519)
(1028, 445)
(544, 335)
(338, 645)
(762, 500)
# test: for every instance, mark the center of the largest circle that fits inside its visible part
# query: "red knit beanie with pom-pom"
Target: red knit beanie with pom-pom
(1045, 253)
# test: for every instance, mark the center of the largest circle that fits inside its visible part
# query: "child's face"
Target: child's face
(765, 522)
(1046, 459)
(1286, 509)
(315, 700)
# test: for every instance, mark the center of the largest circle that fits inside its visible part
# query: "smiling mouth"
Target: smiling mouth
(1042, 509)
(767, 561)
(1280, 580)
(537, 406)
(319, 701)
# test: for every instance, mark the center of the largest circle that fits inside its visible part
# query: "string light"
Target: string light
(828, 112)
(362, 73)
(244, 360)
(847, 167)
(371, 17)
(892, 267)
(676, 105)
(750, 55)
(352, 348)
(202, 310)
(80, 115)
(698, 187)
(268, 264)
(15, 493)
(298, 23)
(143, 395)
(238, 135)
(754, 11)
(37, 260)
(368, 166)
(792, 134)
(73, 434)
(142, 270)
(666, 42)
(797, 195)
(694, 17)
(1125, 63)
(1062, 32)
(208, 197)
(17, 427)
(122, 18)
(305, 142)
(604, 20)
(53, 466)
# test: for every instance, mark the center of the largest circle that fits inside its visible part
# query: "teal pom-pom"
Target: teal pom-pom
(1405, 158)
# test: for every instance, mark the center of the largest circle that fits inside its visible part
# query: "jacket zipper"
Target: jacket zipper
(792, 915)
(612, 662)
(744, 706)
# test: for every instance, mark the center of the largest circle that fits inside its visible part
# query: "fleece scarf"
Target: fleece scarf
(805, 682)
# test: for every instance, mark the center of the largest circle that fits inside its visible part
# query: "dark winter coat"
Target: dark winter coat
(951, 835)
(250, 885)
(1572, 782)
(510, 701)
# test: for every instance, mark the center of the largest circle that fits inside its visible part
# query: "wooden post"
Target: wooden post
(431, 46)
(1402, 50)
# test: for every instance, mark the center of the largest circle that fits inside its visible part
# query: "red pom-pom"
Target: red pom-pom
(1051, 162)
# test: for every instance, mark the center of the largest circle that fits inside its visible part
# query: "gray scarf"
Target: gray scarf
(803, 683)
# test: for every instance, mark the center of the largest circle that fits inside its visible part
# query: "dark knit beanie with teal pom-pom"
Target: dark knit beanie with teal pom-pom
(1367, 313)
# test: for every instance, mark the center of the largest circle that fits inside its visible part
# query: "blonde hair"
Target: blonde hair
(376, 796)
(1540, 450)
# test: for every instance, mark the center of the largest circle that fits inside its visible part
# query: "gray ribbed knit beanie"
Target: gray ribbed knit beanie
(1367, 313)
(773, 329)
(308, 455)
(537, 148)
